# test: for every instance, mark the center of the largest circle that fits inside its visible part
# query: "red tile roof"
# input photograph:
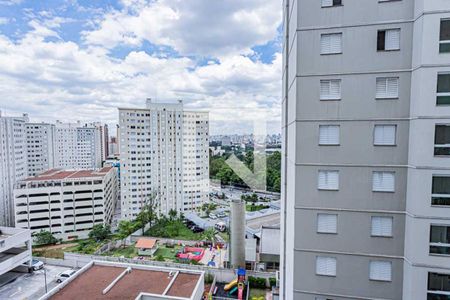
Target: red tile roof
(145, 243)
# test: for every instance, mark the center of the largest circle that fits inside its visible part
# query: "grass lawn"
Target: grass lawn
(128, 252)
(167, 253)
(251, 207)
(54, 251)
(256, 294)
(174, 230)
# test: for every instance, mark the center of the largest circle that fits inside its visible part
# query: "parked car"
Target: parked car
(35, 265)
(64, 275)
(212, 216)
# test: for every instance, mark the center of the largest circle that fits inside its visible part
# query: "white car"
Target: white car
(64, 275)
(35, 265)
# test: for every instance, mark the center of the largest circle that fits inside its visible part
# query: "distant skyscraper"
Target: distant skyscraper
(154, 161)
(40, 147)
(13, 163)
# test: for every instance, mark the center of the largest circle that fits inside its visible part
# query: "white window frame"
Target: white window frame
(330, 83)
(386, 81)
(326, 186)
(327, 260)
(383, 189)
(327, 229)
(323, 35)
(325, 138)
(445, 245)
(329, 3)
(381, 234)
(438, 195)
(375, 143)
(372, 264)
(443, 41)
(442, 94)
(386, 38)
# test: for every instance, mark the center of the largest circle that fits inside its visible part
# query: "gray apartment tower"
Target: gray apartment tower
(366, 165)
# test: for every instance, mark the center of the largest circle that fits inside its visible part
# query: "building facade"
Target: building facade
(365, 210)
(66, 203)
(15, 248)
(78, 146)
(13, 163)
(152, 157)
(40, 147)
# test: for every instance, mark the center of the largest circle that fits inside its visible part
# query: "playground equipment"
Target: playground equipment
(191, 253)
(237, 284)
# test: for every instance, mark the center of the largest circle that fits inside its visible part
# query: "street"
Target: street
(31, 285)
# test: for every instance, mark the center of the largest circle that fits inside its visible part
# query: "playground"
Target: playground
(236, 289)
(191, 253)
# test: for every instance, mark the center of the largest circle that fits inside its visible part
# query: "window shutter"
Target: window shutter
(326, 223)
(329, 135)
(381, 270)
(328, 180)
(387, 87)
(327, 3)
(382, 226)
(384, 134)
(331, 43)
(383, 182)
(330, 89)
(326, 265)
(392, 39)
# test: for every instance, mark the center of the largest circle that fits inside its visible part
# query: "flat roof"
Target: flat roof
(59, 174)
(92, 282)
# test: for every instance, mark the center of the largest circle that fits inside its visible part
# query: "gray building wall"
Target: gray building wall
(414, 112)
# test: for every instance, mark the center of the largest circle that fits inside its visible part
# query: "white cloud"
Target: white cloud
(60, 80)
(194, 27)
(10, 2)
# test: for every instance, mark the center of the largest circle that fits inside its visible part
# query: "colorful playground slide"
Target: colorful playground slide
(230, 285)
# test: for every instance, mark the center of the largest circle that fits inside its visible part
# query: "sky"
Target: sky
(75, 60)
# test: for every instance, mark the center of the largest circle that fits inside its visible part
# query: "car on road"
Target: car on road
(64, 275)
(212, 216)
(35, 265)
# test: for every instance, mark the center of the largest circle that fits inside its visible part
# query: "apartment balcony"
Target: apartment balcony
(84, 218)
(84, 211)
(13, 258)
(15, 248)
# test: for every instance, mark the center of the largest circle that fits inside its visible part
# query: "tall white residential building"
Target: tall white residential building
(78, 146)
(195, 159)
(66, 203)
(13, 163)
(153, 160)
(40, 147)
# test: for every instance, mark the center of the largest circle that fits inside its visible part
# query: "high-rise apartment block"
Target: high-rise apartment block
(40, 147)
(157, 150)
(13, 162)
(78, 146)
(366, 171)
(66, 203)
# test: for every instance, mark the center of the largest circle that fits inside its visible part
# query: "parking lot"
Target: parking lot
(30, 285)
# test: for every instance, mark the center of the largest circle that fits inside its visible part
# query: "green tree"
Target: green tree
(147, 214)
(44, 237)
(172, 215)
(209, 235)
(125, 228)
(100, 232)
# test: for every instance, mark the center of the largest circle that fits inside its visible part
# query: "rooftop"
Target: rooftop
(107, 280)
(59, 174)
(145, 243)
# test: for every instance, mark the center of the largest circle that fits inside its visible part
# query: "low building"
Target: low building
(108, 280)
(269, 251)
(146, 246)
(15, 248)
(66, 203)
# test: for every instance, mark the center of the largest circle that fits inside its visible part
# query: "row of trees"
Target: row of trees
(220, 170)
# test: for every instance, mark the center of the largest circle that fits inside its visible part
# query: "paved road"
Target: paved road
(31, 285)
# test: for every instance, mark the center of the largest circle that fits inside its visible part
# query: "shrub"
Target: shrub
(209, 278)
(272, 281)
(159, 258)
(256, 282)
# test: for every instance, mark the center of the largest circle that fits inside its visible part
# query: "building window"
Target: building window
(443, 89)
(380, 270)
(328, 134)
(388, 40)
(387, 88)
(328, 180)
(331, 3)
(442, 140)
(330, 89)
(438, 286)
(440, 239)
(440, 190)
(384, 135)
(326, 266)
(382, 226)
(444, 37)
(326, 223)
(383, 182)
(331, 43)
